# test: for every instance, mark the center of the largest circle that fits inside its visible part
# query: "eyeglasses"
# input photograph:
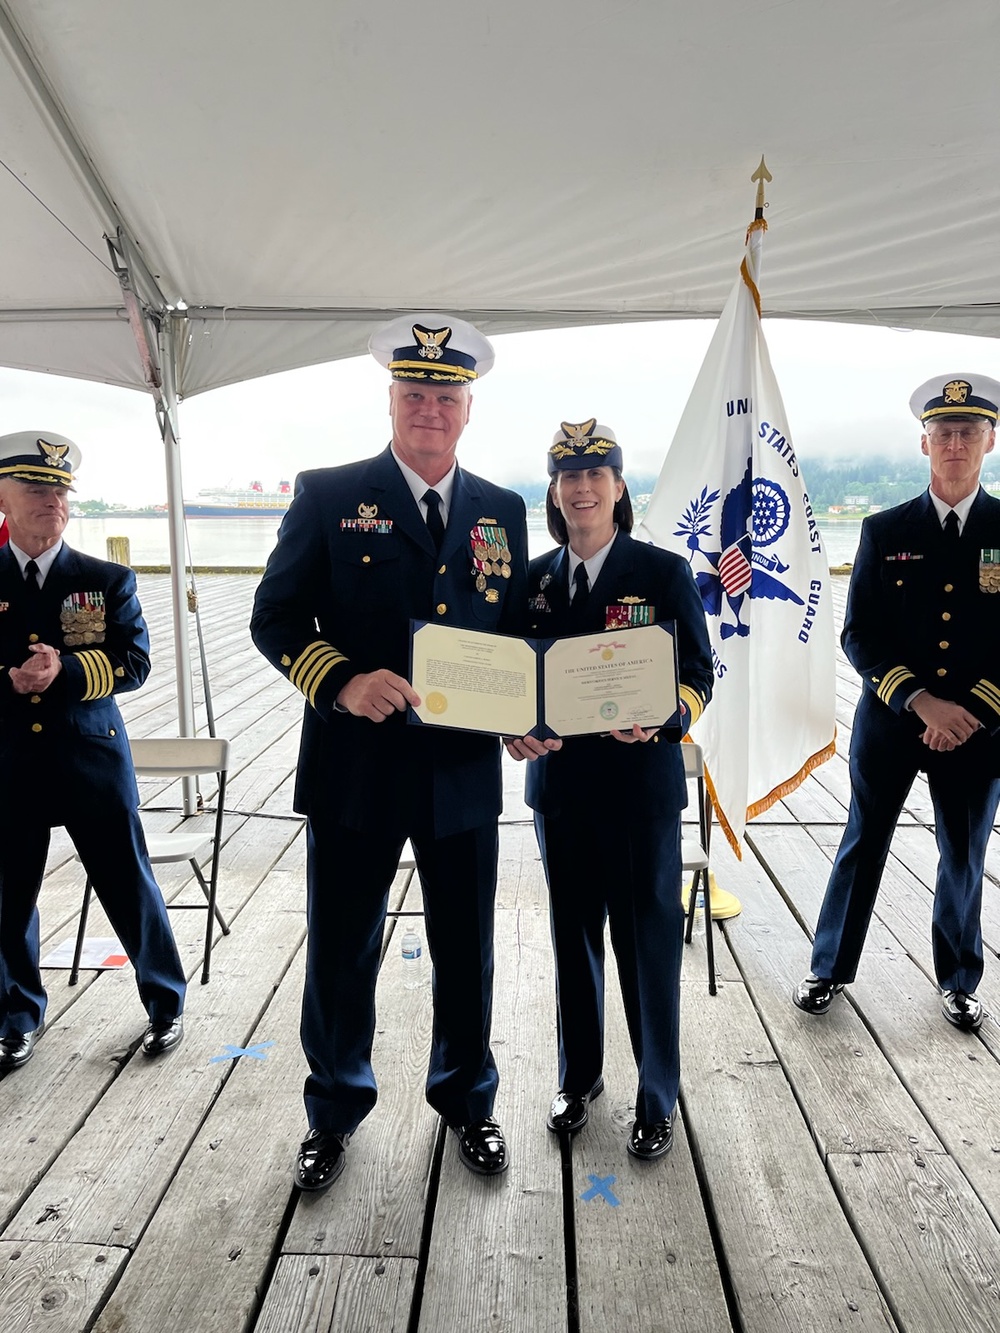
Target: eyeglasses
(967, 434)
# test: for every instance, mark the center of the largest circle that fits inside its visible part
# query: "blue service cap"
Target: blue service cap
(584, 445)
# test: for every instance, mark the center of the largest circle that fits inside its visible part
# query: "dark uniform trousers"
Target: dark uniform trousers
(64, 760)
(608, 823)
(917, 618)
(336, 599)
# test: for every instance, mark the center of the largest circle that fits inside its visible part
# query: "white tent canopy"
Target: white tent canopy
(295, 172)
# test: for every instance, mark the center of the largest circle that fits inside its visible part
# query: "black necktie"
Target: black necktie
(951, 533)
(32, 582)
(581, 586)
(434, 524)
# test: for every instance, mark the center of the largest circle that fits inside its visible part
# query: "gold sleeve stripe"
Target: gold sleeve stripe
(892, 680)
(695, 703)
(989, 693)
(312, 665)
(99, 675)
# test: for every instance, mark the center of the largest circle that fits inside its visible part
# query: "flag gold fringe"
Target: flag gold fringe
(779, 793)
(758, 224)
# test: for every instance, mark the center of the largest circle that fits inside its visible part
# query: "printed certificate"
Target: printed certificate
(587, 683)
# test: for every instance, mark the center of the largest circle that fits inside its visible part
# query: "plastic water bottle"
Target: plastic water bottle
(413, 959)
(699, 913)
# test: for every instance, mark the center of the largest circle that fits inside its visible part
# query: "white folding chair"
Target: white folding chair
(695, 855)
(193, 840)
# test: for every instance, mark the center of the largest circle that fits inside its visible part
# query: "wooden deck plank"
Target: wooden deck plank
(497, 1254)
(647, 1262)
(930, 1241)
(109, 1178)
(851, 1096)
(377, 1207)
(791, 1256)
(337, 1294)
(54, 1287)
(205, 1255)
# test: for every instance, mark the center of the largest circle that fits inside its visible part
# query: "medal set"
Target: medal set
(82, 618)
(989, 569)
(628, 613)
(367, 522)
(490, 556)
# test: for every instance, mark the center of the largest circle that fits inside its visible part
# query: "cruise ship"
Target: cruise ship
(253, 502)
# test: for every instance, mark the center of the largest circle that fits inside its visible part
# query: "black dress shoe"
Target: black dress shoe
(650, 1141)
(815, 994)
(17, 1048)
(962, 1010)
(482, 1147)
(570, 1111)
(163, 1034)
(320, 1160)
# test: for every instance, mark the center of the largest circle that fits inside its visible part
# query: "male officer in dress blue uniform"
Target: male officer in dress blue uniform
(923, 631)
(71, 637)
(362, 550)
(608, 808)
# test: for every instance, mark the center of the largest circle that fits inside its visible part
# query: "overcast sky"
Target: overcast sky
(846, 390)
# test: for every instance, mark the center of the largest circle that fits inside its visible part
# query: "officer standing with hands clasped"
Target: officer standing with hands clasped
(923, 631)
(72, 636)
(362, 550)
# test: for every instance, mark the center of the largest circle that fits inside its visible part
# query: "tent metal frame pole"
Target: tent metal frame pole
(167, 414)
(154, 338)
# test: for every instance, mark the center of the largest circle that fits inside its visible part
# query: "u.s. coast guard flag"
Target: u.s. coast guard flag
(731, 500)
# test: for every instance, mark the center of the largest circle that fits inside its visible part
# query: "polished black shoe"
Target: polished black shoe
(482, 1147)
(962, 1010)
(570, 1111)
(320, 1160)
(163, 1034)
(17, 1048)
(648, 1142)
(815, 994)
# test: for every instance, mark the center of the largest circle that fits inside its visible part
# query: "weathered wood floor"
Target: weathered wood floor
(834, 1173)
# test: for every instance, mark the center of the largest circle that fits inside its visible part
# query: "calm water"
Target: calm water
(248, 541)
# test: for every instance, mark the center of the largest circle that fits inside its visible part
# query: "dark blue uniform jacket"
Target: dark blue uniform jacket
(919, 617)
(598, 773)
(354, 562)
(66, 748)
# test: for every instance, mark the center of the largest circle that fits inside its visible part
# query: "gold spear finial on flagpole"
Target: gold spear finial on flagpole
(760, 176)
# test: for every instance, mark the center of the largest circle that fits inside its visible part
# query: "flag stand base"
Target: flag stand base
(723, 903)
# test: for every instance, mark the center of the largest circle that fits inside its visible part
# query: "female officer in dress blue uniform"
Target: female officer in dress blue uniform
(608, 808)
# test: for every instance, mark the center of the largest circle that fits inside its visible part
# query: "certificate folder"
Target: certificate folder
(469, 680)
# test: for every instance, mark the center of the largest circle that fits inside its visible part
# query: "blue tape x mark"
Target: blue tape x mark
(600, 1188)
(259, 1052)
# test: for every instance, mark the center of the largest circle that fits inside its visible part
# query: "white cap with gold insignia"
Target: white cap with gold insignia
(972, 397)
(433, 347)
(39, 457)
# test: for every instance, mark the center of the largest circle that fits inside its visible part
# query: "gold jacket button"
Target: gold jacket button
(443, 569)
(441, 608)
(32, 638)
(366, 559)
(656, 740)
(36, 698)
(945, 615)
(112, 732)
(944, 644)
(36, 726)
(942, 671)
(899, 583)
(949, 587)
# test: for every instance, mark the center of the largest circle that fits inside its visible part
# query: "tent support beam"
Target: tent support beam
(154, 342)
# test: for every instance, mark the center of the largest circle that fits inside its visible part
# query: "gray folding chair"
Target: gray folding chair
(194, 840)
(695, 855)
